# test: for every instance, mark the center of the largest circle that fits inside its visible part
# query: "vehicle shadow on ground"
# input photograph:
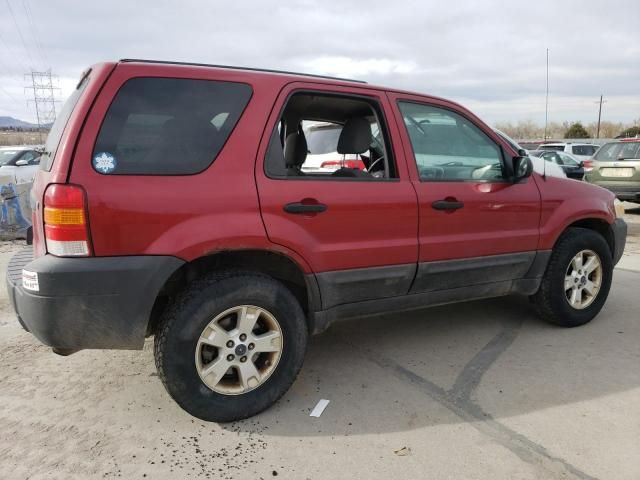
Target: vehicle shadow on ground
(479, 361)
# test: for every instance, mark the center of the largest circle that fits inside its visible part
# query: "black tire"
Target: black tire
(185, 319)
(550, 300)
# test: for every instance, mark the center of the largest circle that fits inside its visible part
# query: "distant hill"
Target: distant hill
(10, 122)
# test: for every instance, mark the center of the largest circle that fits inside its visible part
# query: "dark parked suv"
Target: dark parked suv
(172, 201)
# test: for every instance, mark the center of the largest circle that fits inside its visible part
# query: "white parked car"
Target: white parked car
(582, 151)
(541, 166)
(322, 140)
(20, 163)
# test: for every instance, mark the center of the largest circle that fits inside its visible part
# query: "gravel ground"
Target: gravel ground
(475, 391)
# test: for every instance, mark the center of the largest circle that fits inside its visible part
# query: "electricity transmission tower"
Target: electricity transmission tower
(43, 97)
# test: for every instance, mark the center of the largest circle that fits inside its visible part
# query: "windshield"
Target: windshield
(555, 148)
(612, 152)
(6, 156)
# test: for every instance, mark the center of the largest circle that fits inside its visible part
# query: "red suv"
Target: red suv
(172, 201)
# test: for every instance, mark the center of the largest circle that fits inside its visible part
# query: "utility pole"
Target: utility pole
(546, 102)
(43, 98)
(599, 116)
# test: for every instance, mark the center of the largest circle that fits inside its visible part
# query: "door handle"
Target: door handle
(298, 207)
(447, 205)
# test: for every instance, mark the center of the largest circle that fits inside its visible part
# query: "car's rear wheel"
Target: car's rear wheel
(231, 345)
(577, 280)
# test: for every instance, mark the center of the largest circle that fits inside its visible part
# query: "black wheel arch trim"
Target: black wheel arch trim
(93, 302)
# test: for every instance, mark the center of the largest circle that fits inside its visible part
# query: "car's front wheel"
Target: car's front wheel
(577, 280)
(231, 345)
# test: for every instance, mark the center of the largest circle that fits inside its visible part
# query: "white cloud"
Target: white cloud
(489, 55)
(348, 67)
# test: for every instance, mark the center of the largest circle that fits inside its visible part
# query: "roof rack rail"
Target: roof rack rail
(235, 67)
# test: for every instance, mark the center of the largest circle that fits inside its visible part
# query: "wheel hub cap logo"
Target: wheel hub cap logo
(241, 349)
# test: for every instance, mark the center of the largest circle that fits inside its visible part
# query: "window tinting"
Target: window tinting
(556, 148)
(447, 147)
(583, 149)
(168, 126)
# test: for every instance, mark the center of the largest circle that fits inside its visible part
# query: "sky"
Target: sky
(488, 55)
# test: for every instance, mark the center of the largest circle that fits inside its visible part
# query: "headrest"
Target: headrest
(295, 149)
(355, 136)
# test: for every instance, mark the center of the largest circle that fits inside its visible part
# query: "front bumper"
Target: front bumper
(97, 302)
(619, 229)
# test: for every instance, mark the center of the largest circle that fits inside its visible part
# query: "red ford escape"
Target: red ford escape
(172, 201)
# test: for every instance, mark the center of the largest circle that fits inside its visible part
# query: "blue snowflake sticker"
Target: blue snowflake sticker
(104, 162)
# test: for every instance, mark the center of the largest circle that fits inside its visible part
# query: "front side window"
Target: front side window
(168, 126)
(448, 147)
(552, 157)
(568, 160)
(329, 137)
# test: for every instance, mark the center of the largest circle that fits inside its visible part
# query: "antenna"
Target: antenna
(546, 116)
(546, 101)
(599, 115)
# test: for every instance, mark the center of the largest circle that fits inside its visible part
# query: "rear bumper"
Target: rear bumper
(88, 302)
(623, 192)
(619, 228)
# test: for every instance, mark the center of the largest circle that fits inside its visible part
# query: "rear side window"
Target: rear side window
(53, 139)
(168, 126)
(583, 149)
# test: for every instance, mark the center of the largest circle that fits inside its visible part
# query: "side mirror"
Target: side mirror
(522, 168)
(22, 163)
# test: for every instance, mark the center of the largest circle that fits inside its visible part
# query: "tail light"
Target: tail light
(587, 165)
(65, 221)
(359, 164)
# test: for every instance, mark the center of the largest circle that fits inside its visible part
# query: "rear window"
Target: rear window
(583, 149)
(323, 139)
(553, 148)
(168, 126)
(55, 134)
(612, 152)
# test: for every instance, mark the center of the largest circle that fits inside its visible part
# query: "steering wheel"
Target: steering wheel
(373, 163)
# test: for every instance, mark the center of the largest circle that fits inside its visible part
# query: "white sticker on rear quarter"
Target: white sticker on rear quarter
(30, 281)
